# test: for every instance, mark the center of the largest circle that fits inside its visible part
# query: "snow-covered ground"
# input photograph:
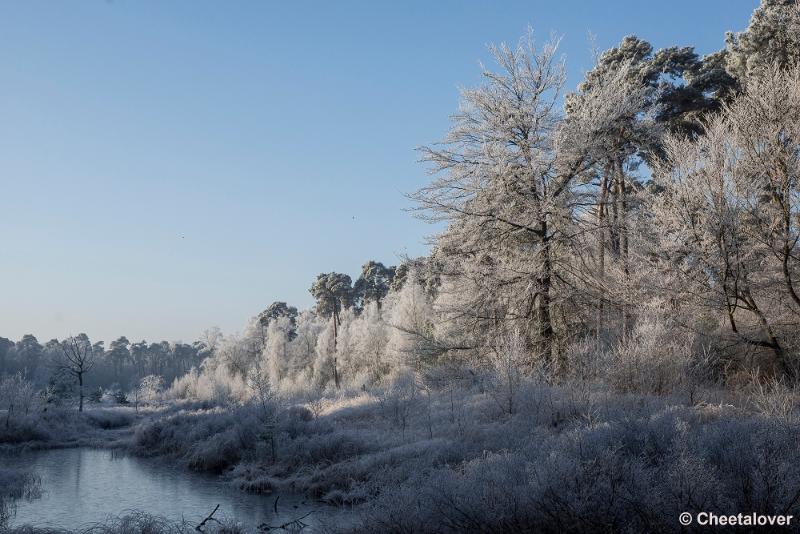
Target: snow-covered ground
(576, 457)
(406, 457)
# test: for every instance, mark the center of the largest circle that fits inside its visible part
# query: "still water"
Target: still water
(84, 486)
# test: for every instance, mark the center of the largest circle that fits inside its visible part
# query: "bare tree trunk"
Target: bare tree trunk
(784, 202)
(623, 247)
(772, 340)
(80, 392)
(601, 248)
(787, 275)
(543, 307)
(335, 334)
(614, 226)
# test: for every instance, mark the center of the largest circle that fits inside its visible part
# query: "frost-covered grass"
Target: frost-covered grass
(632, 473)
(137, 523)
(454, 451)
(571, 457)
(63, 427)
(15, 484)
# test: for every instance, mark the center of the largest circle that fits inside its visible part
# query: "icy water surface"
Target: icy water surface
(84, 486)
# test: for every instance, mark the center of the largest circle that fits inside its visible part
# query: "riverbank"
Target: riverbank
(122, 493)
(64, 427)
(482, 456)
(85, 487)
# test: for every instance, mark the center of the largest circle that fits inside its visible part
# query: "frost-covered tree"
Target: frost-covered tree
(149, 389)
(333, 293)
(277, 351)
(211, 338)
(373, 284)
(681, 87)
(727, 217)
(772, 38)
(508, 363)
(412, 339)
(259, 381)
(362, 346)
(303, 346)
(235, 355)
(326, 365)
(508, 181)
(17, 396)
(426, 271)
(499, 186)
(372, 337)
(277, 310)
(616, 89)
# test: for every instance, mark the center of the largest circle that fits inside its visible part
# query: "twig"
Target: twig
(210, 517)
(297, 523)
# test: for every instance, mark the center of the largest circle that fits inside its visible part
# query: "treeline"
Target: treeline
(121, 363)
(642, 229)
(77, 367)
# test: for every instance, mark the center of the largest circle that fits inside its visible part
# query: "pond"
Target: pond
(84, 486)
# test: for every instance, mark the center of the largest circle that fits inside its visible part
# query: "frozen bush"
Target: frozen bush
(110, 418)
(653, 360)
(509, 360)
(774, 397)
(18, 397)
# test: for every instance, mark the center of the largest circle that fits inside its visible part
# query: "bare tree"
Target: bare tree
(77, 358)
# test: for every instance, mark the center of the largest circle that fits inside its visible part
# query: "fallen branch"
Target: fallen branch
(295, 524)
(210, 517)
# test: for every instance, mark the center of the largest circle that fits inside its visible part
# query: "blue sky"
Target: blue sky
(169, 166)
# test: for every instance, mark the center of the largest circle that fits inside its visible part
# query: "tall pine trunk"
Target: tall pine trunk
(601, 249)
(623, 244)
(544, 298)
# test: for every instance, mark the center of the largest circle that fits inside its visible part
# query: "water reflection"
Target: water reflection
(83, 486)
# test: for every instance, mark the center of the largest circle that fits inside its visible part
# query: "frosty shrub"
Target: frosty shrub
(509, 359)
(634, 473)
(653, 360)
(773, 397)
(18, 397)
(401, 398)
(149, 390)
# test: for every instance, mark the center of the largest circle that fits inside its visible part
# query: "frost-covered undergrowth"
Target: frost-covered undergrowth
(15, 484)
(137, 523)
(63, 427)
(457, 459)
